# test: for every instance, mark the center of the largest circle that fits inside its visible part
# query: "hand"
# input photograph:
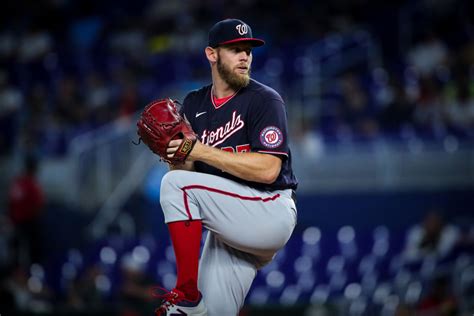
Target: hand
(173, 147)
(193, 155)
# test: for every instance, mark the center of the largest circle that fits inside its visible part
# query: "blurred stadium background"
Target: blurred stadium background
(380, 98)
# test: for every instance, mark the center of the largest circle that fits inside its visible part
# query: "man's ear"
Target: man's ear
(211, 54)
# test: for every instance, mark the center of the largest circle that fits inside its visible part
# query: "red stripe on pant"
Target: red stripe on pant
(231, 194)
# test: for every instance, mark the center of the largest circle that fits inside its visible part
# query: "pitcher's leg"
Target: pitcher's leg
(185, 235)
(225, 277)
(247, 219)
(246, 224)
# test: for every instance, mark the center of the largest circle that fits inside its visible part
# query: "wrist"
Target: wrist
(196, 153)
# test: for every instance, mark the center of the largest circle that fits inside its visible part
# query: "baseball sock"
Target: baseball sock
(186, 239)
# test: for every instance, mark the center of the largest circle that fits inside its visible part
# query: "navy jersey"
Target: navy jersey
(252, 120)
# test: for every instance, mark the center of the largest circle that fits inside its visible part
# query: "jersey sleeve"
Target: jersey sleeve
(268, 126)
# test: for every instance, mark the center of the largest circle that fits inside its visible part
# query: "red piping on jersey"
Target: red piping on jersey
(220, 105)
(220, 101)
(273, 152)
(234, 195)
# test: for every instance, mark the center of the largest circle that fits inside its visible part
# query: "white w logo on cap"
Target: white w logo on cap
(242, 29)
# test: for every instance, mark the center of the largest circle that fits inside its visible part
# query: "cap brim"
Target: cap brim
(255, 42)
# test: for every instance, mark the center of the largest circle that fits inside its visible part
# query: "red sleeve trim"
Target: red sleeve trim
(273, 152)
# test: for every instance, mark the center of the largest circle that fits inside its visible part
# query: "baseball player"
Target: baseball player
(237, 182)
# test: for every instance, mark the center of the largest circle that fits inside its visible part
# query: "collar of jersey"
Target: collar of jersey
(219, 106)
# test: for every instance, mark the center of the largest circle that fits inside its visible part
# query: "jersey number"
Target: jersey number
(239, 148)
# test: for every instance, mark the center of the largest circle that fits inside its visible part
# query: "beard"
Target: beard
(234, 80)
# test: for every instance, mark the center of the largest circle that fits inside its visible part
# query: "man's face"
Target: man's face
(233, 64)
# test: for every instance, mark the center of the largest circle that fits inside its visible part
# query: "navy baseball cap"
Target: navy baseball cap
(231, 31)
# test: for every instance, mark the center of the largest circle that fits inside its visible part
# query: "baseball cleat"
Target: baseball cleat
(174, 303)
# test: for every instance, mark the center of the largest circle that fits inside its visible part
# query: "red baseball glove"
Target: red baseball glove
(160, 123)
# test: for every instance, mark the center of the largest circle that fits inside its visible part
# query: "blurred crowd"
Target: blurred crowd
(68, 67)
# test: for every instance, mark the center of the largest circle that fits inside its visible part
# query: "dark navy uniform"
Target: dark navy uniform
(253, 119)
